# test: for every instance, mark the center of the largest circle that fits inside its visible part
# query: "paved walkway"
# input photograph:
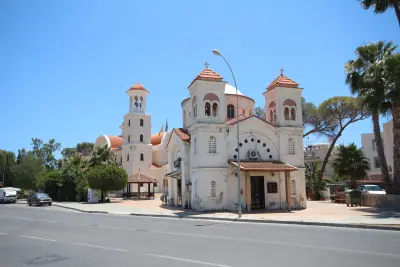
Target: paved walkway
(316, 212)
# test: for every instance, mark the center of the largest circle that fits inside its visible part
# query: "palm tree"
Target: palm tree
(371, 92)
(391, 73)
(351, 163)
(380, 6)
(102, 156)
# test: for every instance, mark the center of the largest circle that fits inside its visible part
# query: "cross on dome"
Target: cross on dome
(282, 70)
(207, 64)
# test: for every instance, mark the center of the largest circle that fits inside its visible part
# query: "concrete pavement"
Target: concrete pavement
(46, 235)
(317, 213)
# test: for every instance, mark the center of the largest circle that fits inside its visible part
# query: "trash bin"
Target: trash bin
(353, 197)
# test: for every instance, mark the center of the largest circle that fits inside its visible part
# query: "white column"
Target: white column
(183, 182)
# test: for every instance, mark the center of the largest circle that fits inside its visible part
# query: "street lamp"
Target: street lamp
(217, 53)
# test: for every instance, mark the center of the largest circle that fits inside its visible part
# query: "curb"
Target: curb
(341, 225)
(338, 225)
(80, 210)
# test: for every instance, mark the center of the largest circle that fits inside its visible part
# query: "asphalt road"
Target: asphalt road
(47, 236)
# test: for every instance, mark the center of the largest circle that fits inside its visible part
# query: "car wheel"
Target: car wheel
(29, 204)
(49, 204)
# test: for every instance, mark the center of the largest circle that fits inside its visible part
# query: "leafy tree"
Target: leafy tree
(380, 6)
(391, 76)
(313, 184)
(106, 178)
(85, 148)
(68, 152)
(315, 121)
(21, 154)
(24, 174)
(75, 169)
(102, 156)
(371, 92)
(343, 111)
(259, 112)
(351, 163)
(45, 152)
(51, 181)
(7, 160)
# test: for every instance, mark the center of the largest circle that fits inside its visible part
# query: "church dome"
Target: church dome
(230, 90)
(156, 138)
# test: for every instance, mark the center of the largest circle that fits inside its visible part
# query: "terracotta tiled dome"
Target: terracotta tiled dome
(156, 138)
(115, 141)
(137, 86)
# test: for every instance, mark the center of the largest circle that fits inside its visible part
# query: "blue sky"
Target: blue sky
(66, 65)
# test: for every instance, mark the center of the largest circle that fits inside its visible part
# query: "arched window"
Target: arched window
(129, 138)
(230, 111)
(291, 146)
(271, 115)
(141, 138)
(286, 113)
(141, 157)
(207, 109)
(293, 114)
(293, 187)
(141, 122)
(129, 122)
(127, 157)
(194, 105)
(212, 145)
(213, 189)
(274, 115)
(215, 109)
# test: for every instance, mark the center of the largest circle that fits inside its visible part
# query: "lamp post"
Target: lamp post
(4, 166)
(216, 52)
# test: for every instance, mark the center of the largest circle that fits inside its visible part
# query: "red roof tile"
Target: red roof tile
(115, 141)
(183, 134)
(272, 166)
(207, 75)
(234, 120)
(283, 81)
(137, 86)
(141, 178)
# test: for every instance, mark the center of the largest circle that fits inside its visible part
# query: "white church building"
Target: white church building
(196, 165)
(203, 154)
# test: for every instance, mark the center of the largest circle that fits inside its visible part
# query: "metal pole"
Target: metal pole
(237, 137)
(4, 166)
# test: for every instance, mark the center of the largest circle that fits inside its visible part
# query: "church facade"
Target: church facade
(203, 156)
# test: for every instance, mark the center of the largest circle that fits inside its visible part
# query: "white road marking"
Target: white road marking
(38, 238)
(221, 238)
(192, 261)
(3, 234)
(93, 246)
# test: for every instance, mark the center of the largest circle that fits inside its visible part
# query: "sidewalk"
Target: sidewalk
(317, 213)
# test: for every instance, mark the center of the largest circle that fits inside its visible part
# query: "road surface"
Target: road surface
(47, 236)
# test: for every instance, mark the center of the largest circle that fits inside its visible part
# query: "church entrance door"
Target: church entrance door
(257, 192)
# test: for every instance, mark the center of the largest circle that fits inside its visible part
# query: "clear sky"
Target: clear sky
(65, 65)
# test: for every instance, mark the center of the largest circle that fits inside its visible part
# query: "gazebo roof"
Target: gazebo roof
(141, 178)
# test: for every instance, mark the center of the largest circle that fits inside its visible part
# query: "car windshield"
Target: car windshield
(42, 195)
(373, 188)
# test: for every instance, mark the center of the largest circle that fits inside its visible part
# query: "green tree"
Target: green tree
(45, 152)
(315, 121)
(75, 169)
(102, 156)
(68, 152)
(85, 148)
(371, 92)
(351, 163)
(391, 76)
(24, 174)
(313, 184)
(259, 112)
(106, 178)
(380, 6)
(51, 181)
(21, 154)
(7, 160)
(344, 111)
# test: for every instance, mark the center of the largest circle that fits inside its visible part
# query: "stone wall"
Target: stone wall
(381, 201)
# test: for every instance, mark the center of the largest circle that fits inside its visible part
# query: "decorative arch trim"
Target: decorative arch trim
(211, 97)
(289, 102)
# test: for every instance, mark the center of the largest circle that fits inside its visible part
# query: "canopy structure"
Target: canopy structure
(140, 179)
(263, 166)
